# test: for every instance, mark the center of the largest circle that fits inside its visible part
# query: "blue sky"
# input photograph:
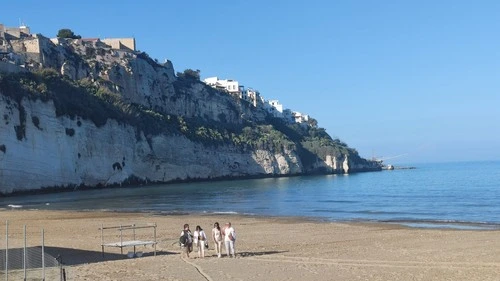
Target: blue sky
(420, 78)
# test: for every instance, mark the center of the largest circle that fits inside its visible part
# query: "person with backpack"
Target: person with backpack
(186, 240)
(229, 239)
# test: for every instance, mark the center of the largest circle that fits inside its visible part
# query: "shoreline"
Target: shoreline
(145, 183)
(267, 248)
(411, 224)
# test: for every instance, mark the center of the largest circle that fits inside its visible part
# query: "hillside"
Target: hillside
(82, 114)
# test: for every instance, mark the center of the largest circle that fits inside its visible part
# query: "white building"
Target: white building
(252, 96)
(274, 107)
(300, 118)
(228, 85)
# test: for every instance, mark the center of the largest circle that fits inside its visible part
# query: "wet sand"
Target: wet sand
(267, 248)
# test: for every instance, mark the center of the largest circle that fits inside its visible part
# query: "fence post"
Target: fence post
(59, 261)
(6, 250)
(121, 240)
(25, 252)
(133, 226)
(43, 254)
(155, 237)
(102, 239)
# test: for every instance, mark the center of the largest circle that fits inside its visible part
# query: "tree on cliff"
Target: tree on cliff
(190, 74)
(67, 33)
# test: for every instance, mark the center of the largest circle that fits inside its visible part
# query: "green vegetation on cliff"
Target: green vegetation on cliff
(84, 99)
(67, 33)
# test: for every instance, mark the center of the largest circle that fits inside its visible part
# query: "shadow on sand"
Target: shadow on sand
(76, 256)
(67, 256)
(263, 253)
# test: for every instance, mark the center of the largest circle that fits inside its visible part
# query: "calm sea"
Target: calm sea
(463, 195)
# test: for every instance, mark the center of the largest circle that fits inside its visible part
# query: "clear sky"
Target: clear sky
(419, 78)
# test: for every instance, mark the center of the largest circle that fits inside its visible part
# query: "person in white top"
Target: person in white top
(217, 237)
(196, 234)
(200, 237)
(229, 239)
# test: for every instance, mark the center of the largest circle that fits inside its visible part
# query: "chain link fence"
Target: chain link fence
(23, 256)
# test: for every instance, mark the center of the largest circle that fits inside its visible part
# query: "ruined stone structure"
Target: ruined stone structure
(127, 44)
(14, 32)
(11, 33)
(30, 47)
(25, 48)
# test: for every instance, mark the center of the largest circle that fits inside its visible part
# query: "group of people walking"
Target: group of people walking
(199, 239)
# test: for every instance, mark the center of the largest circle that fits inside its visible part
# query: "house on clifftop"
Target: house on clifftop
(273, 107)
(227, 85)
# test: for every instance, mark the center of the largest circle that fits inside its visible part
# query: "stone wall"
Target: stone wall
(2, 31)
(16, 32)
(29, 48)
(120, 43)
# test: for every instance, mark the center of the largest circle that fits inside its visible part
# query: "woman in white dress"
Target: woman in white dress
(217, 237)
(201, 238)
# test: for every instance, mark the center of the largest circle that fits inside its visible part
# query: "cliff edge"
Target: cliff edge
(78, 112)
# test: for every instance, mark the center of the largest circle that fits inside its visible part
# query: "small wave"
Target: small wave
(446, 221)
(14, 206)
(226, 213)
(167, 213)
(338, 201)
(451, 226)
(446, 224)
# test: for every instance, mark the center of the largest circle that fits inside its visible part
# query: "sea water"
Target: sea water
(464, 195)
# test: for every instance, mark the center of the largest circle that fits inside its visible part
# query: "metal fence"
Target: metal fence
(23, 256)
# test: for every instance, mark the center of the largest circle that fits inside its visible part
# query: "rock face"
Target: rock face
(141, 80)
(40, 147)
(345, 165)
(60, 151)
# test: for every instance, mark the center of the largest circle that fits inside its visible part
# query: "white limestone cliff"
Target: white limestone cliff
(41, 149)
(345, 165)
(64, 152)
(141, 80)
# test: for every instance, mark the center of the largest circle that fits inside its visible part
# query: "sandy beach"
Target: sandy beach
(267, 249)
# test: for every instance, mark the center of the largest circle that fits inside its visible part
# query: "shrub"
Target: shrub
(190, 74)
(67, 33)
